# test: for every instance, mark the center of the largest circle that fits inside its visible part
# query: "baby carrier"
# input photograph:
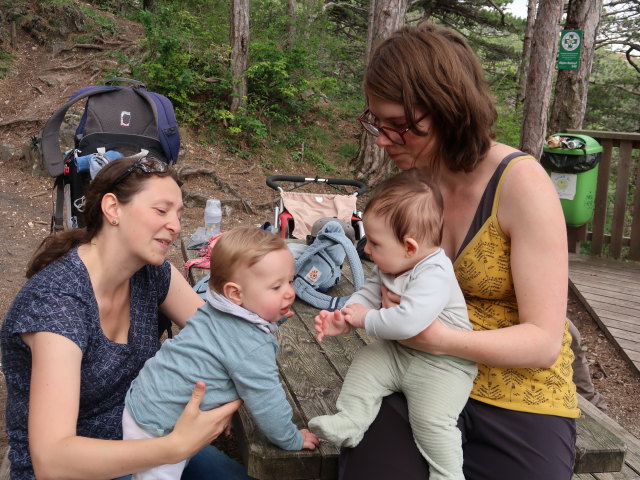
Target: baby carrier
(330, 224)
(117, 120)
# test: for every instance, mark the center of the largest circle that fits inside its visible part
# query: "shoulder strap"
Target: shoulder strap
(306, 291)
(168, 133)
(512, 160)
(51, 155)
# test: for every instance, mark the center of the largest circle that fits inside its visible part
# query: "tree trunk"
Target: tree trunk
(239, 52)
(526, 50)
(291, 24)
(570, 99)
(541, 68)
(385, 17)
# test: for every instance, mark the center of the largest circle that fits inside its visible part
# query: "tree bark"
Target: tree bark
(385, 17)
(541, 68)
(526, 49)
(291, 24)
(570, 99)
(239, 52)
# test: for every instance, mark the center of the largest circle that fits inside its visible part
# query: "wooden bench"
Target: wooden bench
(312, 375)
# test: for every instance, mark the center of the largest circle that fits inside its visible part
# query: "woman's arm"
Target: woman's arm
(182, 301)
(530, 214)
(56, 450)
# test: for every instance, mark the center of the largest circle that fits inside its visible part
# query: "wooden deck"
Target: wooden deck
(610, 290)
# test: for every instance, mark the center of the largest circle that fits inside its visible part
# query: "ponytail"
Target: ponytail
(55, 246)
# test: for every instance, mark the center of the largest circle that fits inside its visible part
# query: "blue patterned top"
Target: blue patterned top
(60, 299)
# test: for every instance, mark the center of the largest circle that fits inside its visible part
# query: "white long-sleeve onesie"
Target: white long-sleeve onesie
(436, 386)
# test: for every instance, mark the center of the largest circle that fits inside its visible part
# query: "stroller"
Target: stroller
(297, 212)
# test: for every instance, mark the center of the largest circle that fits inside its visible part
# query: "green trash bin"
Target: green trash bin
(572, 162)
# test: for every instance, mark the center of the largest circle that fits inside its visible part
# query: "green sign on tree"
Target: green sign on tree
(569, 52)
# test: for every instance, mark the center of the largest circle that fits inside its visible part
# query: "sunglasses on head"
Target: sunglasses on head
(146, 164)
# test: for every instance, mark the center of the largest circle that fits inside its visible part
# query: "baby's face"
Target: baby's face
(385, 250)
(266, 285)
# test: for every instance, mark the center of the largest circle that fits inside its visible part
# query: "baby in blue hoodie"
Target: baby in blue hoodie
(228, 344)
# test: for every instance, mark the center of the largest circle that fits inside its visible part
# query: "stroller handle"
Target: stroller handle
(271, 182)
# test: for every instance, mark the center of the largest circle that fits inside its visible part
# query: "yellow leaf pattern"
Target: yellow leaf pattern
(483, 271)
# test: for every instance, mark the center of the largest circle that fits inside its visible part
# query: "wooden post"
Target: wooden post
(575, 236)
(14, 40)
(602, 190)
(620, 202)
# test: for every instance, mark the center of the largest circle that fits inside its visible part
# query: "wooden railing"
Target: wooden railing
(616, 220)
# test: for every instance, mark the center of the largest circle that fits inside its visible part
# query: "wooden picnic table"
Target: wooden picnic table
(312, 375)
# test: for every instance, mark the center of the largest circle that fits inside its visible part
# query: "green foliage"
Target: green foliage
(284, 83)
(255, 129)
(320, 163)
(275, 80)
(103, 22)
(508, 126)
(186, 61)
(612, 103)
(6, 60)
(316, 58)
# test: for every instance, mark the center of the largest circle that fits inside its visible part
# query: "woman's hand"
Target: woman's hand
(389, 299)
(431, 340)
(196, 428)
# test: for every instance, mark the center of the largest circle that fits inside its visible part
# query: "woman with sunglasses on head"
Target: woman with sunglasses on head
(430, 109)
(83, 326)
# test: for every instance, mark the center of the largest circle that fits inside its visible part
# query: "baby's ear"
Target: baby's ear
(410, 246)
(233, 292)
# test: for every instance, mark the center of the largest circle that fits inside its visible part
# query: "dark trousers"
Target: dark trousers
(497, 444)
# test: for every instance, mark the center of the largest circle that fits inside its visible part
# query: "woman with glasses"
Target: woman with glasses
(430, 109)
(83, 326)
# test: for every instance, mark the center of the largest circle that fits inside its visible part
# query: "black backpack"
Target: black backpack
(116, 119)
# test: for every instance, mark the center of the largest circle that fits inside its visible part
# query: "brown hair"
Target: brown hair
(57, 244)
(240, 247)
(435, 69)
(412, 206)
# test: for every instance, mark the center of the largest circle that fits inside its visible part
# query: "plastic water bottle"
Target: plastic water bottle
(212, 217)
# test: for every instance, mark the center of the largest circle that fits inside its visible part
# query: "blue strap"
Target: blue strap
(331, 233)
(168, 132)
(201, 286)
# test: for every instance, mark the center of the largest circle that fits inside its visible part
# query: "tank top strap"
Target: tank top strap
(508, 162)
(490, 197)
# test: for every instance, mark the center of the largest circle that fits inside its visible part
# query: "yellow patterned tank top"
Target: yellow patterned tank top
(484, 273)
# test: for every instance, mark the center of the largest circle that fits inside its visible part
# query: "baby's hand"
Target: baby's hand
(310, 440)
(354, 314)
(331, 324)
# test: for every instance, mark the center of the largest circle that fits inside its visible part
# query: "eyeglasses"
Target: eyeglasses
(396, 135)
(147, 165)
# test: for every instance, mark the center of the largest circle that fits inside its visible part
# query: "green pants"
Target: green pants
(437, 387)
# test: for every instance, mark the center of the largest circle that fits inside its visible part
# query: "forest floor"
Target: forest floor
(40, 81)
